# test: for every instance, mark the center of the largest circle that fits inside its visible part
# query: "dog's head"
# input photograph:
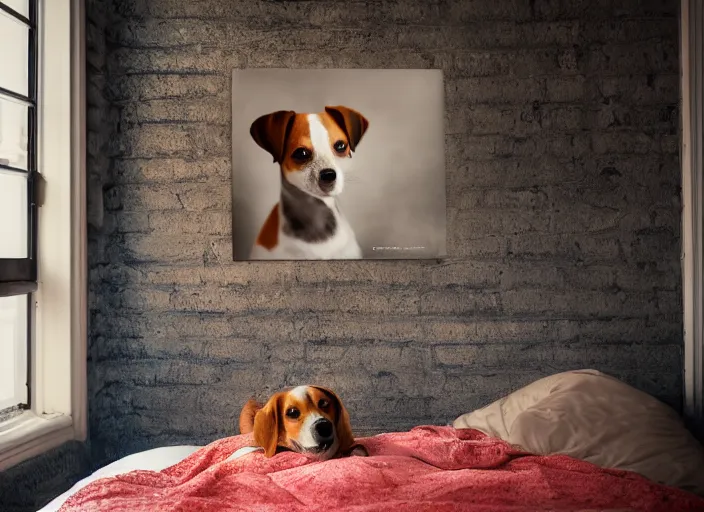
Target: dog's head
(312, 149)
(305, 419)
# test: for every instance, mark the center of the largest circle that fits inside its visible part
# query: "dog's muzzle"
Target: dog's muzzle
(323, 433)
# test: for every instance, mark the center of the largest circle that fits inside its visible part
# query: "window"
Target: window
(18, 172)
(42, 227)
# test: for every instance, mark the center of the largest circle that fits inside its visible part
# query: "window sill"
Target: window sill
(29, 435)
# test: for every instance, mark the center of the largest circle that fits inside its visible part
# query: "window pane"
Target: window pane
(13, 351)
(14, 54)
(20, 6)
(13, 134)
(13, 215)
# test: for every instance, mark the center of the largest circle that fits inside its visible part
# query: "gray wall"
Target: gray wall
(563, 192)
(32, 484)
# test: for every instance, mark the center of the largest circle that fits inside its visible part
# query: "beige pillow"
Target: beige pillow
(594, 417)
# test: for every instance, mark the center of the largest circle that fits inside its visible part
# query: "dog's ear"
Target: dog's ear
(352, 122)
(266, 425)
(271, 131)
(342, 422)
(247, 414)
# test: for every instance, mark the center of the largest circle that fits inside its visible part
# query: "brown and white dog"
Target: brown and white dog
(313, 152)
(304, 419)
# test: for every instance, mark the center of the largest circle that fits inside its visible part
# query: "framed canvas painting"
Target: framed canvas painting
(338, 164)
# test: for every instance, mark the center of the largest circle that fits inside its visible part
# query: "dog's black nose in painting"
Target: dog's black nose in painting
(323, 430)
(327, 175)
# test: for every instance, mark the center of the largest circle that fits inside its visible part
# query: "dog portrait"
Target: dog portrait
(338, 164)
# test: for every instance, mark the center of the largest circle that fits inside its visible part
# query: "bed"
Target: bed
(575, 441)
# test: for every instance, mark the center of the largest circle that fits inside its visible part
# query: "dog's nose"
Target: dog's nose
(327, 175)
(323, 429)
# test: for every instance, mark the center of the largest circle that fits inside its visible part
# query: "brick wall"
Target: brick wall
(563, 192)
(32, 484)
(101, 117)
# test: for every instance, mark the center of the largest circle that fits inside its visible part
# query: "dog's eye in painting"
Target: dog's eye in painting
(301, 155)
(293, 413)
(323, 404)
(340, 146)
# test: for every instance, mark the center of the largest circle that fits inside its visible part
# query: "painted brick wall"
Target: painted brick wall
(563, 190)
(32, 484)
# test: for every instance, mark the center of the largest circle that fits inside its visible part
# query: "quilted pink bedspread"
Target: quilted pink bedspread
(427, 468)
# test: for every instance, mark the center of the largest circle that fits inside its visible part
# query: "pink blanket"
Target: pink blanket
(428, 468)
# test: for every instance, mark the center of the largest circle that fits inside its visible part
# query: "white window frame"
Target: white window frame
(692, 57)
(58, 346)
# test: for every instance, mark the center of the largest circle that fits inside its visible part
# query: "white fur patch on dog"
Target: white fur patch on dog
(306, 437)
(300, 392)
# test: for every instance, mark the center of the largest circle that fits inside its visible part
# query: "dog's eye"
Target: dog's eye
(293, 413)
(301, 154)
(340, 146)
(323, 403)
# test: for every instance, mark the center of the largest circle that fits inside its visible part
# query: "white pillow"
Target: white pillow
(594, 417)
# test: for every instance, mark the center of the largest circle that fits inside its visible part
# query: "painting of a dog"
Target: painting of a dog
(312, 151)
(358, 178)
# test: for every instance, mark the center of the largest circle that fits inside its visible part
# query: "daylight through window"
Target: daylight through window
(18, 176)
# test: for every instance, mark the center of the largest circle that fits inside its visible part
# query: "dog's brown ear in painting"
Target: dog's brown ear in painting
(352, 123)
(271, 130)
